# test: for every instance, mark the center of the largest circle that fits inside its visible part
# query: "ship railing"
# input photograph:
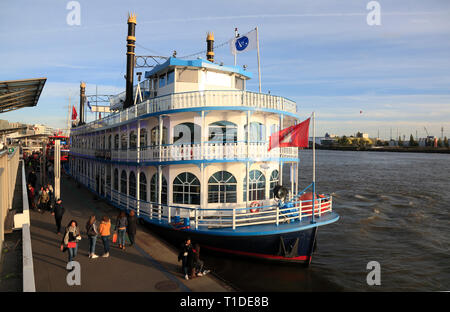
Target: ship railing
(194, 99)
(233, 217)
(212, 150)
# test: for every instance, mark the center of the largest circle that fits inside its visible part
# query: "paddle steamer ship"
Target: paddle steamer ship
(188, 152)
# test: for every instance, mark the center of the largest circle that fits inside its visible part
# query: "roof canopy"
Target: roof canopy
(15, 94)
(200, 63)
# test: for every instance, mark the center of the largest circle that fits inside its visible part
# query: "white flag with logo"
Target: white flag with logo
(243, 43)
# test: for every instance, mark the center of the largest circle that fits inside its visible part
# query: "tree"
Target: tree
(400, 142)
(445, 142)
(439, 142)
(412, 142)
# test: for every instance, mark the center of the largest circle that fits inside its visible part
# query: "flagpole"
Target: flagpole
(259, 66)
(235, 36)
(314, 168)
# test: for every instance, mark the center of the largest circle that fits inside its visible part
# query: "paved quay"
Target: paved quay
(151, 265)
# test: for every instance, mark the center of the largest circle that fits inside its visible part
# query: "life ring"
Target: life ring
(254, 206)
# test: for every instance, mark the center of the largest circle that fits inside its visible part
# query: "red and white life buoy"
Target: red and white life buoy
(254, 206)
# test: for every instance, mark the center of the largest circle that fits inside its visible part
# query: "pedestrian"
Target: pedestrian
(70, 239)
(58, 212)
(92, 232)
(198, 264)
(105, 231)
(121, 228)
(30, 193)
(186, 249)
(32, 178)
(50, 172)
(132, 225)
(51, 201)
(43, 200)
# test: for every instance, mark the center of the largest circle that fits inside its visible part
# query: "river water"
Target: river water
(394, 208)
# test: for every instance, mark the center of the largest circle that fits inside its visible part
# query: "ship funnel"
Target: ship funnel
(82, 99)
(210, 47)
(131, 40)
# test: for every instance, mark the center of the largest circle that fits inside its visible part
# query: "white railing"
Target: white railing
(217, 151)
(211, 98)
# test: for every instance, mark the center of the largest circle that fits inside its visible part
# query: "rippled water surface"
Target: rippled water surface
(394, 209)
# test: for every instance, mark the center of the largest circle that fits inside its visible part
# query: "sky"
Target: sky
(324, 55)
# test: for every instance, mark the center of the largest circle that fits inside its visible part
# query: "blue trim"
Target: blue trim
(200, 63)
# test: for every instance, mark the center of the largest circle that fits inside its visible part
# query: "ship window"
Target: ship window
(187, 75)
(162, 81)
(274, 128)
(154, 136)
(186, 133)
(257, 190)
(132, 185)
(116, 180)
(133, 140)
(170, 77)
(123, 182)
(222, 188)
(123, 140)
(274, 180)
(143, 139)
(116, 142)
(108, 176)
(154, 189)
(257, 132)
(222, 132)
(142, 187)
(239, 83)
(186, 189)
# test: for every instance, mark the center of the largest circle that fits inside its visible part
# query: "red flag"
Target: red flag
(74, 113)
(296, 135)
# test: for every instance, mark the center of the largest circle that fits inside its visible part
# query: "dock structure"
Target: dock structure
(151, 265)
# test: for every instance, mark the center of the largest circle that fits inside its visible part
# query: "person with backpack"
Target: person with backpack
(105, 231)
(121, 227)
(92, 232)
(58, 212)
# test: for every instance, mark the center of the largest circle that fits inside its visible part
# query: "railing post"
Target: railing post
(196, 218)
(278, 215)
(234, 219)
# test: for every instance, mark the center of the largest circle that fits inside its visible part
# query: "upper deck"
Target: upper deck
(179, 86)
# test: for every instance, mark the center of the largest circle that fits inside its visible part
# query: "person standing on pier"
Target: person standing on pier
(70, 239)
(58, 212)
(121, 228)
(32, 178)
(43, 200)
(92, 232)
(132, 225)
(184, 256)
(30, 192)
(105, 231)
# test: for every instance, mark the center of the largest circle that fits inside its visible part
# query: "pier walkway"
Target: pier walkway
(151, 265)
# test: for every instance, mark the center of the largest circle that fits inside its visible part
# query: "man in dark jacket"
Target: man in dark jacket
(32, 178)
(58, 212)
(185, 257)
(131, 228)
